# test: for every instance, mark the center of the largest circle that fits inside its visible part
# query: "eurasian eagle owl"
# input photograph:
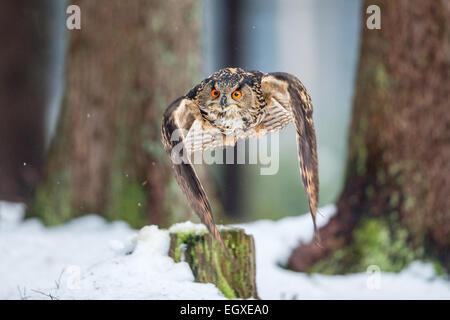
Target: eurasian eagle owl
(236, 104)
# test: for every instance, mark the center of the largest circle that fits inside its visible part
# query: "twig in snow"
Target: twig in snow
(49, 295)
(22, 293)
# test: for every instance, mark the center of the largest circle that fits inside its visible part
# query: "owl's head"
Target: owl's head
(227, 91)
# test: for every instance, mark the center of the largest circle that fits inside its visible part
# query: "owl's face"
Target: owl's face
(226, 98)
(229, 101)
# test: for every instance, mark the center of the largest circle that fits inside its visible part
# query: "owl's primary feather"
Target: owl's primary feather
(179, 116)
(291, 94)
(213, 115)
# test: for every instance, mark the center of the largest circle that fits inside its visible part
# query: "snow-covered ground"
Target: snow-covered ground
(89, 258)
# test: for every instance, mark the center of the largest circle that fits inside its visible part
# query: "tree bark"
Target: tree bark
(210, 263)
(124, 67)
(398, 167)
(26, 60)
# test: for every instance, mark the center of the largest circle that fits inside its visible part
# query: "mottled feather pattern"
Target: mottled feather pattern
(274, 100)
(301, 108)
(277, 117)
(202, 139)
(185, 175)
(251, 115)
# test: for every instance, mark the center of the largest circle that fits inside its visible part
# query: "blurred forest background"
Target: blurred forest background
(80, 116)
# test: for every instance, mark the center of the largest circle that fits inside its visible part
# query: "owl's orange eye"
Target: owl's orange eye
(237, 95)
(215, 93)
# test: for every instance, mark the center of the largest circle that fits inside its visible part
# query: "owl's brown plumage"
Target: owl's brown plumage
(236, 104)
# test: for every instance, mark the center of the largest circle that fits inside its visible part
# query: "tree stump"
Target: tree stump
(210, 263)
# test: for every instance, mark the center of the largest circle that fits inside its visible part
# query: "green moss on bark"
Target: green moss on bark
(127, 197)
(129, 204)
(376, 241)
(53, 200)
(210, 264)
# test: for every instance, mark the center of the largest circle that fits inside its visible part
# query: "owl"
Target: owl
(236, 104)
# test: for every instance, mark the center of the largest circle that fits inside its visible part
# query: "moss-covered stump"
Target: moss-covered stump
(210, 263)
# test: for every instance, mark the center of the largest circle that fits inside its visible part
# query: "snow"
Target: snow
(275, 240)
(89, 258)
(188, 226)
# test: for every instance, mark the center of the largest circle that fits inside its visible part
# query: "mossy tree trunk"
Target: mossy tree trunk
(125, 65)
(396, 195)
(210, 263)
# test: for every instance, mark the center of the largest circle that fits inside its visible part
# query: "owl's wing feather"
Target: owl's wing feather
(177, 119)
(286, 90)
(277, 117)
(200, 138)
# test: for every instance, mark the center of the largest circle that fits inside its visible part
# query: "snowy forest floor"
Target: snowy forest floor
(89, 258)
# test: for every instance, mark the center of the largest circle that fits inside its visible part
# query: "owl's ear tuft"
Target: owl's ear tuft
(192, 94)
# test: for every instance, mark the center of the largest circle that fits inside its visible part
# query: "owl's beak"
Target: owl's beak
(223, 102)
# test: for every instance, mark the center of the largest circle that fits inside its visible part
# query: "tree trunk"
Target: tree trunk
(124, 67)
(232, 174)
(395, 206)
(27, 58)
(210, 263)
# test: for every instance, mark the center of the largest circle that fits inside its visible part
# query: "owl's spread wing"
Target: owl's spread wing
(177, 120)
(286, 90)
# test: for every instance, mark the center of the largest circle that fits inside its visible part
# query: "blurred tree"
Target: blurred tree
(124, 67)
(26, 61)
(233, 173)
(245, 26)
(395, 206)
